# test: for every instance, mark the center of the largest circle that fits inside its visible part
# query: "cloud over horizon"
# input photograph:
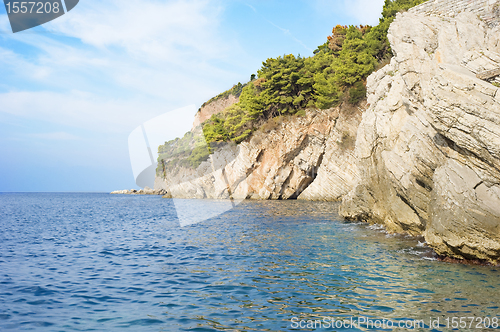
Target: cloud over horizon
(85, 80)
(118, 57)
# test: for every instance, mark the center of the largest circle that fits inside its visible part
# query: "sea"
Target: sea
(101, 262)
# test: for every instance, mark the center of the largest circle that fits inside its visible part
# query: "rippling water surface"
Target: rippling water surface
(98, 262)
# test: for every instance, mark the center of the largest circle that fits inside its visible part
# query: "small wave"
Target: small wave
(376, 227)
(354, 222)
(410, 251)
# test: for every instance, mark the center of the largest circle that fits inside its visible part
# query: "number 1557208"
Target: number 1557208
(32, 7)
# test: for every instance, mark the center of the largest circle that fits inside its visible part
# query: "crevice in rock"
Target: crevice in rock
(290, 156)
(256, 164)
(259, 156)
(378, 142)
(477, 185)
(401, 197)
(423, 185)
(302, 186)
(465, 152)
(458, 251)
(285, 185)
(249, 171)
(306, 182)
(450, 144)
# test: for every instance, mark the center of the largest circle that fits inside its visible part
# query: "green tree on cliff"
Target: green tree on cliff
(335, 74)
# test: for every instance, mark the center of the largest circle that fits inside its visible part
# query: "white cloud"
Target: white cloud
(4, 24)
(81, 110)
(148, 30)
(56, 136)
(125, 62)
(15, 64)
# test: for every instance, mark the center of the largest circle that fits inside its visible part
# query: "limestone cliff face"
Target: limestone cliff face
(309, 157)
(428, 147)
(424, 157)
(217, 106)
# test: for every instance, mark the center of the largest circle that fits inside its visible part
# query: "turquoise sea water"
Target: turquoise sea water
(99, 262)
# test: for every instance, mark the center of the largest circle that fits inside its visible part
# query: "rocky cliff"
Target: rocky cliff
(428, 146)
(423, 156)
(305, 157)
(214, 107)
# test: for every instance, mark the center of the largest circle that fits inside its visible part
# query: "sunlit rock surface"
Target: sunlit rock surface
(428, 146)
(305, 157)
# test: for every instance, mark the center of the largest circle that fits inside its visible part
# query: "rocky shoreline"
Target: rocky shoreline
(421, 157)
(145, 191)
(427, 146)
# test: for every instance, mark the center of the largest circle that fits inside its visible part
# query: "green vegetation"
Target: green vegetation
(235, 91)
(188, 151)
(287, 85)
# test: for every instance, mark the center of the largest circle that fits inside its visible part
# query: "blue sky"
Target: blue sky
(72, 90)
